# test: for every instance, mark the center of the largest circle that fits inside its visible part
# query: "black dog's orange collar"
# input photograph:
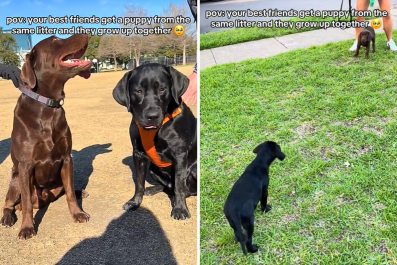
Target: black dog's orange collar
(147, 138)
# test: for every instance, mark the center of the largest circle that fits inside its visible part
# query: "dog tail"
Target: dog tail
(239, 232)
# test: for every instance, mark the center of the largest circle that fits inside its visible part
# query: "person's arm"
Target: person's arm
(190, 96)
(10, 72)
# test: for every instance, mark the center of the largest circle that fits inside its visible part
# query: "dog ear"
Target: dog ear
(258, 148)
(280, 155)
(276, 151)
(27, 74)
(180, 83)
(121, 93)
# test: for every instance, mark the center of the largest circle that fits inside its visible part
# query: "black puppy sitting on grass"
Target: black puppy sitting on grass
(248, 190)
(364, 39)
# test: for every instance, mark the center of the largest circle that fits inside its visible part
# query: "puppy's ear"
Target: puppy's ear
(280, 155)
(121, 93)
(258, 148)
(27, 74)
(180, 83)
(276, 151)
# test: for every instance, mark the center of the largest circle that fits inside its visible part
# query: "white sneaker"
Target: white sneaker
(354, 47)
(392, 45)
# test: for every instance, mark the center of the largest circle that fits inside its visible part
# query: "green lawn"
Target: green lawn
(334, 197)
(240, 35)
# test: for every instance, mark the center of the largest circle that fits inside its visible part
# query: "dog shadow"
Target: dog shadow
(5, 148)
(82, 163)
(133, 238)
(82, 169)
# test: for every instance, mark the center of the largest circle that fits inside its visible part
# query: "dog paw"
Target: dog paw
(81, 217)
(172, 201)
(131, 206)
(267, 208)
(180, 214)
(150, 191)
(8, 220)
(26, 233)
(252, 249)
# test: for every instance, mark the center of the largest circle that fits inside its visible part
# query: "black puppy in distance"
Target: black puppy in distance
(364, 39)
(248, 190)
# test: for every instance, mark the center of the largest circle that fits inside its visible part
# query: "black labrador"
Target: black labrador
(248, 190)
(162, 132)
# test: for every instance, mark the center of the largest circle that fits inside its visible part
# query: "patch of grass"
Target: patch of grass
(239, 35)
(335, 117)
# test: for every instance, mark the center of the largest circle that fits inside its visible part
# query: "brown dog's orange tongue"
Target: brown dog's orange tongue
(85, 74)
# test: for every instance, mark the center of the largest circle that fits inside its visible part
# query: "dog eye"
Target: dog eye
(139, 92)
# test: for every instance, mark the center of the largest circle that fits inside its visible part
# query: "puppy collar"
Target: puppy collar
(49, 102)
(147, 139)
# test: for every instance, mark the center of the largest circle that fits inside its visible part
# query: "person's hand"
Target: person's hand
(190, 96)
(11, 72)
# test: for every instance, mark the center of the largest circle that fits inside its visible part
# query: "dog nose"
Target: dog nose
(152, 115)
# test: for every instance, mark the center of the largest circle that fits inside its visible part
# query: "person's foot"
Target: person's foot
(392, 45)
(353, 48)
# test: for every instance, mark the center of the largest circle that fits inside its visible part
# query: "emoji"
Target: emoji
(179, 30)
(376, 24)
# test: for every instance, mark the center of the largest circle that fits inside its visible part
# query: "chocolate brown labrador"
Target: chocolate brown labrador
(41, 140)
(364, 39)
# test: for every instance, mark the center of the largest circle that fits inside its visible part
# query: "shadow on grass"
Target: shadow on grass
(133, 238)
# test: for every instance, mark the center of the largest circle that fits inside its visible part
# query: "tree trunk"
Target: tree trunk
(184, 52)
(115, 62)
(137, 55)
(175, 55)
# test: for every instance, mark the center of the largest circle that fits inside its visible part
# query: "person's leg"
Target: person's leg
(362, 5)
(385, 5)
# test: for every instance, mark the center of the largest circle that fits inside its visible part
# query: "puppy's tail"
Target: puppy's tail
(239, 232)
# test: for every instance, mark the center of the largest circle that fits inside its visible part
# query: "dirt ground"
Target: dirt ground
(102, 156)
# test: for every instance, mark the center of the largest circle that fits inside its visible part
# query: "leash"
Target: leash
(350, 10)
(49, 102)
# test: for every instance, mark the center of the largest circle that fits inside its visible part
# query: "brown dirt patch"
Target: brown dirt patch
(102, 151)
(289, 218)
(365, 128)
(305, 129)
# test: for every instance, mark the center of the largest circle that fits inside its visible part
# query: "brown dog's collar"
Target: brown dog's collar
(49, 102)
